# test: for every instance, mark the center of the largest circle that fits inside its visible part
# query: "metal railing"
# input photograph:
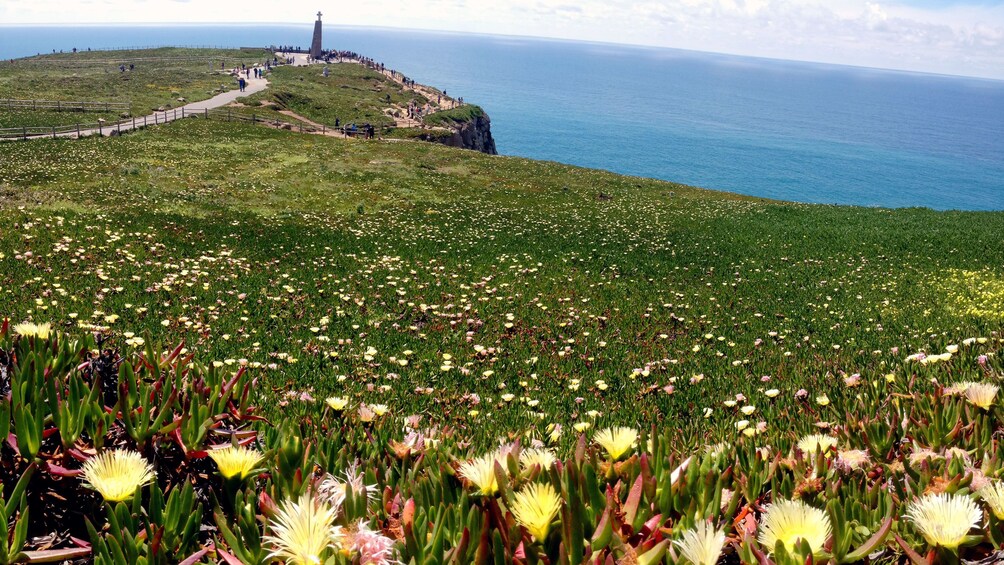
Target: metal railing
(63, 105)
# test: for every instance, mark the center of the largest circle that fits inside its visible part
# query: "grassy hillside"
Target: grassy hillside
(567, 273)
(159, 78)
(403, 308)
(350, 93)
(465, 113)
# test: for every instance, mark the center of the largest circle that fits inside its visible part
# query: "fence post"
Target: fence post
(134, 123)
(33, 105)
(228, 114)
(183, 112)
(176, 113)
(78, 131)
(100, 133)
(207, 113)
(144, 121)
(59, 106)
(322, 129)
(53, 132)
(301, 127)
(106, 106)
(254, 119)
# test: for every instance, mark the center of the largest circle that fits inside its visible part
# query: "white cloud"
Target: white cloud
(957, 39)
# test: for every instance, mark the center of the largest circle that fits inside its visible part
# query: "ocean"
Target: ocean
(787, 130)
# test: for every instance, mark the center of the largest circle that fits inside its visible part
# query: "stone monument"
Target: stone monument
(315, 45)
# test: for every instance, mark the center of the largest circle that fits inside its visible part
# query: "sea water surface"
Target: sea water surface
(779, 129)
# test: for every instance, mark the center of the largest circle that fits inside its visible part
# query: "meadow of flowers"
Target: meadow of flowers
(232, 344)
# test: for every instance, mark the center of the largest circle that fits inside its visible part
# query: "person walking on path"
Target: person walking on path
(242, 83)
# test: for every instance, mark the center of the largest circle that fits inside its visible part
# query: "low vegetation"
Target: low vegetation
(158, 78)
(453, 116)
(351, 93)
(428, 355)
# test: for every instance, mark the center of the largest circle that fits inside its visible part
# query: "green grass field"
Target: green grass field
(404, 309)
(159, 78)
(350, 93)
(340, 247)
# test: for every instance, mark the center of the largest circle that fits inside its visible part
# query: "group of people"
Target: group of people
(367, 131)
(245, 72)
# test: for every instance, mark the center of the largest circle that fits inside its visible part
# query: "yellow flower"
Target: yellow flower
(117, 474)
(810, 444)
(944, 519)
(535, 508)
(823, 400)
(379, 409)
(530, 457)
(481, 473)
(303, 531)
(337, 403)
(981, 394)
(28, 329)
(702, 545)
(616, 441)
(993, 495)
(235, 461)
(789, 521)
(581, 426)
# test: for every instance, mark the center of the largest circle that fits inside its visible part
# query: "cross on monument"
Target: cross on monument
(318, 15)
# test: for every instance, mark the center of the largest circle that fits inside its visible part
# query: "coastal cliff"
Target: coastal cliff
(475, 134)
(467, 127)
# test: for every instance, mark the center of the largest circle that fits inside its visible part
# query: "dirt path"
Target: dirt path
(253, 85)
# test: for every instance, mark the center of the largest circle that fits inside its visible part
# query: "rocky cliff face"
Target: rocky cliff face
(475, 134)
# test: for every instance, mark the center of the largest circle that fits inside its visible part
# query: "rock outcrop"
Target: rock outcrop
(475, 134)
(467, 127)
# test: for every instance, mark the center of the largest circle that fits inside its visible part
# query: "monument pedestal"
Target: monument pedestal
(315, 44)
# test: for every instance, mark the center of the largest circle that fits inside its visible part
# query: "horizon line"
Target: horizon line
(503, 35)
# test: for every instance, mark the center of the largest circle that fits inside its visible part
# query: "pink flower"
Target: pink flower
(802, 393)
(374, 548)
(765, 378)
(982, 360)
(894, 350)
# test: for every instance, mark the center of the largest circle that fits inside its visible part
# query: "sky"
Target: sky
(961, 37)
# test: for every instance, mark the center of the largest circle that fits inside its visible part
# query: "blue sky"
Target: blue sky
(942, 36)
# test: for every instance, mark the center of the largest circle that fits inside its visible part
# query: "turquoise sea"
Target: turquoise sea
(794, 131)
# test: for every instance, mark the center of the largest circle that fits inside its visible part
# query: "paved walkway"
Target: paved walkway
(253, 85)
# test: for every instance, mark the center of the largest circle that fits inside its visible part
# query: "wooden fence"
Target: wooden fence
(129, 124)
(63, 105)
